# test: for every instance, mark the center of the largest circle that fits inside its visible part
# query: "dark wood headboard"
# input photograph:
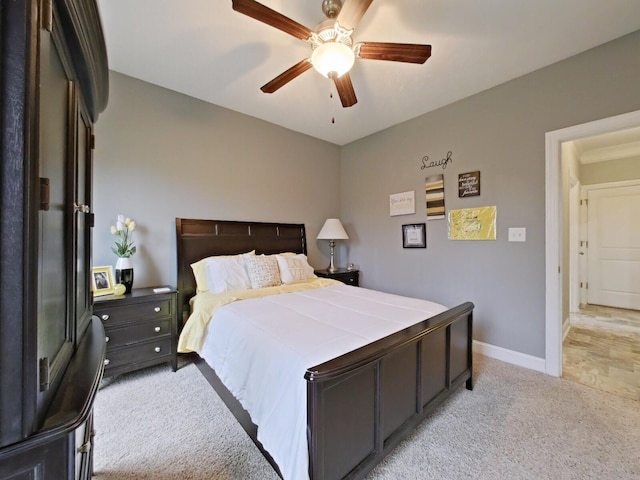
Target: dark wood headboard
(197, 239)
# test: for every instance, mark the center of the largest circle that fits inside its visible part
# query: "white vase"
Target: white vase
(124, 273)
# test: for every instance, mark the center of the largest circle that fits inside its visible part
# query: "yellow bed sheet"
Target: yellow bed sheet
(204, 305)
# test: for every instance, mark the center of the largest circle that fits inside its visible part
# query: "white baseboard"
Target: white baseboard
(510, 356)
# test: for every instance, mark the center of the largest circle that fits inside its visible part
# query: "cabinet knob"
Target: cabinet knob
(105, 316)
(106, 339)
(106, 362)
(157, 309)
(157, 329)
(157, 349)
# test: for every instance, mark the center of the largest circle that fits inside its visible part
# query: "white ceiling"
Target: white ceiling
(204, 49)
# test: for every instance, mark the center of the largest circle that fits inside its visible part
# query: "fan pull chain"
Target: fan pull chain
(333, 103)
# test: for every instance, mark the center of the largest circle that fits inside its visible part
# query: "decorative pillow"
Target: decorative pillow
(263, 271)
(227, 273)
(200, 272)
(294, 268)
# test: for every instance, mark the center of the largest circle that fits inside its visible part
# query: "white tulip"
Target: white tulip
(114, 230)
(131, 226)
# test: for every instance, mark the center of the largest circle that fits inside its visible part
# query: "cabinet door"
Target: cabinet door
(55, 332)
(82, 221)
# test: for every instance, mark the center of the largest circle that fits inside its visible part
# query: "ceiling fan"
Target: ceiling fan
(332, 49)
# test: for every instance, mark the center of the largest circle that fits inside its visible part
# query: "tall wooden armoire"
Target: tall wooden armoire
(53, 85)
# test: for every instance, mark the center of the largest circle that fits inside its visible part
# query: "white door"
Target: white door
(614, 247)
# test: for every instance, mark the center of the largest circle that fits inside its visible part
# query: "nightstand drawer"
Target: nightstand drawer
(133, 312)
(348, 277)
(151, 352)
(117, 336)
(351, 279)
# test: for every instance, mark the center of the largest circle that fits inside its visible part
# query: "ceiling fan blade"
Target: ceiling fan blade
(394, 52)
(352, 12)
(286, 76)
(264, 14)
(345, 90)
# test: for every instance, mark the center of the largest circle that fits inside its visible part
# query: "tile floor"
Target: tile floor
(602, 350)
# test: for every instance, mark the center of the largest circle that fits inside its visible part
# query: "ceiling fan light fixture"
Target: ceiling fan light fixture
(332, 57)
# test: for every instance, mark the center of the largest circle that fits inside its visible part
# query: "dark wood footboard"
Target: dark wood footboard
(362, 404)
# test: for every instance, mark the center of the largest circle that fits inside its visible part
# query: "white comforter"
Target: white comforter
(261, 348)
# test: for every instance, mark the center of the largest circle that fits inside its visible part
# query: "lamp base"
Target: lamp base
(332, 268)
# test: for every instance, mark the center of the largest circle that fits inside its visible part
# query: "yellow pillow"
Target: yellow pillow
(200, 270)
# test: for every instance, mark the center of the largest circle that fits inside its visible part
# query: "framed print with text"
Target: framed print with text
(414, 235)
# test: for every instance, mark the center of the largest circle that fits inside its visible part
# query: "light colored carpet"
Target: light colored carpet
(515, 424)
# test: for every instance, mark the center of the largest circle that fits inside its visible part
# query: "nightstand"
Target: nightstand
(350, 277)
(141, 329)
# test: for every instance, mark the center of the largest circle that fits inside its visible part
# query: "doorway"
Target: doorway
(557, 263)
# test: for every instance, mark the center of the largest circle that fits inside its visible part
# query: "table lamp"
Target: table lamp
(332, 230)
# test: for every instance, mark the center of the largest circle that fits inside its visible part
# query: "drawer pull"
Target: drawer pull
(105, 316)
(157, 329)
(106, 339)
(157, 309)
(157, 349)
(106, 362)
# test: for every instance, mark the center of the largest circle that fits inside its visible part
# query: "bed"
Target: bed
(357, 405)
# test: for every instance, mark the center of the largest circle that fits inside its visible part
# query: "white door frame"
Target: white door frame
(575, 188)
(553, 224)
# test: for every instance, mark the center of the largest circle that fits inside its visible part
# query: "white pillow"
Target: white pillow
(200, 270)
(263, 271)
(226, 273)
(294, 268)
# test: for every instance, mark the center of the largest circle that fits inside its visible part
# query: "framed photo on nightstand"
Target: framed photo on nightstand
(414, 235)
(102, 280)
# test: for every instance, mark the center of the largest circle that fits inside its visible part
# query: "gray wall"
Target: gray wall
(162, 155)
(500, 132)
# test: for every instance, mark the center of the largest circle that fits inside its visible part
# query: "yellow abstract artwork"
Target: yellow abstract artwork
(473, 223)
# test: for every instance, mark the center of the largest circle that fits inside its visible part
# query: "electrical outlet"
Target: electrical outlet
(517, 234)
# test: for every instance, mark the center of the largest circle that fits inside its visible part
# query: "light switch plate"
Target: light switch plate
(517, 234)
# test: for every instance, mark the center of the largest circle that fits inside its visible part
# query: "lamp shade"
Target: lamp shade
(332, 230)
(332, 57)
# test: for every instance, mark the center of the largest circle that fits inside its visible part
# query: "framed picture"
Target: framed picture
(414, 235)
(102, 280)
(469, 184)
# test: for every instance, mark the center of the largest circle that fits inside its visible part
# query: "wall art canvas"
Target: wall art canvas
(402, 203)
(434, 192)
(473, 223)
